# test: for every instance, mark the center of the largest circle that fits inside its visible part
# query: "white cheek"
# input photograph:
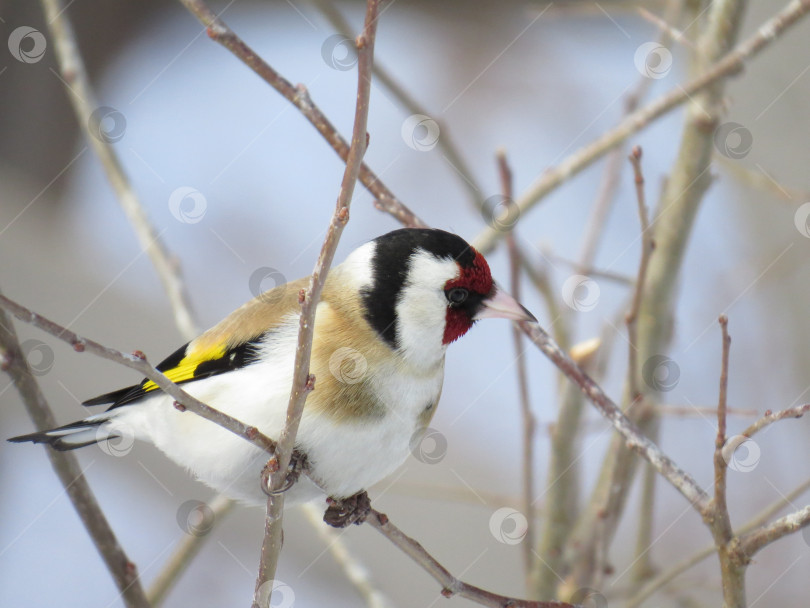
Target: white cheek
(422, 309)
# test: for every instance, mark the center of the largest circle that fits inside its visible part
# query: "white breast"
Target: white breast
(347, 456)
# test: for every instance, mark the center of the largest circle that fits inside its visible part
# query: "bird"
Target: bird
(386, 317)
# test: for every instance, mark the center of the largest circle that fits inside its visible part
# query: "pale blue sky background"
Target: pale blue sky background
(196, 117)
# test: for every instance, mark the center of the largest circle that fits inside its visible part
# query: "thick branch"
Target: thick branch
(123, 571)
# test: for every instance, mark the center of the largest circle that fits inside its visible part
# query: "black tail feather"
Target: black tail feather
(69, 437)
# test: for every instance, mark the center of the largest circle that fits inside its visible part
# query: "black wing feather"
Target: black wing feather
(240, 356)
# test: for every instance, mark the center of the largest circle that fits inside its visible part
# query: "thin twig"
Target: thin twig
(771, 417)
(749, 544)
(719, 521)
(691, 410)
(669, 575)
(185, 552)
(647, 247)
(730, 64)
(720, 467)
(303, 381)
(383, 77)
(633, 438)
(674, 219)
(299, 97)
(451, 586)
(66, 466)
(762, 180)
(614, 163)
(138, 362)
(82, 98)
(526, 417)
(665, 27)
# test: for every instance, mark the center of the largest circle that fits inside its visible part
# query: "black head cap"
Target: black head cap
(390, 266)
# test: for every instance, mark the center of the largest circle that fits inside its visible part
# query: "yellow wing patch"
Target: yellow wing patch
(185, 369)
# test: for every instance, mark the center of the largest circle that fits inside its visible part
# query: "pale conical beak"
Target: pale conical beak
(504, 306)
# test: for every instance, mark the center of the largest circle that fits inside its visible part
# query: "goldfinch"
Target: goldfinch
(384, 322)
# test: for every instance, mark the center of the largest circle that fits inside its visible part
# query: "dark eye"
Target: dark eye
(457, 295)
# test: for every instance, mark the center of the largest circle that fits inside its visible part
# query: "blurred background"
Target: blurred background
(236, 180)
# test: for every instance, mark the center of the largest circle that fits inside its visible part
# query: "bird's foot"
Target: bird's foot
(298, 464)
(343, 512)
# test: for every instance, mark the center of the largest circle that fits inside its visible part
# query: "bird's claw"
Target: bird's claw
(298, 465)
(343, 512)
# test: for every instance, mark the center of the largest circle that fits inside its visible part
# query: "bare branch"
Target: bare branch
(669, 575)
(451, 586)
(664, 25)
(383, 77)
(721, 516)
(719, 522)
(771, 417)
(752, 542)
(66, 466)
(647, 247)
(299, 97)
(138, 362)
(82, 99)
(633, 437)
(730, 64)
(303, 381)
(674, 218)
(615, 159)
(526, 416)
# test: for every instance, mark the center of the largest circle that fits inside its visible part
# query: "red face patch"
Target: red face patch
(478, 280)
